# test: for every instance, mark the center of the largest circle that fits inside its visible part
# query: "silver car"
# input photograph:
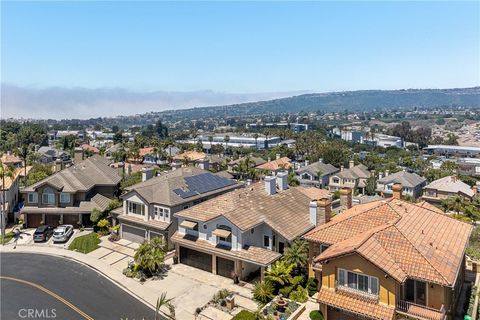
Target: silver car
(62, 233)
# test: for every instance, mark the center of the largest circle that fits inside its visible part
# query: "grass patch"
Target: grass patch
(86, 243)
(244, 315)
(8, 237)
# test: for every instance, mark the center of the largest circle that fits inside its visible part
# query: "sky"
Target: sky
(235, 49)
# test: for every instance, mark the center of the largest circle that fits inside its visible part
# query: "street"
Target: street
(35, 286)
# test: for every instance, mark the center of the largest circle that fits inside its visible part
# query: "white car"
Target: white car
(62, 233)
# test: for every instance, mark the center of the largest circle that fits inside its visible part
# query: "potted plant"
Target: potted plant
(175, 259)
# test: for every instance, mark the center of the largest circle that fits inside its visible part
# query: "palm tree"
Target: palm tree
(297, 254)
(255, 136)
(263, 291)
(150, 255)
(266, 133)
(162, 301)
(23, 152)
(226, 139)
(279, 273)
(5, 171)
(210, 139)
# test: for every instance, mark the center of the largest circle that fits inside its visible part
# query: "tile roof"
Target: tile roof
(401, 238)
(355, 304)
(191, 155)
(282, 163)
(256, 255)
(407, 179)
(358, 171)
(88, 147)
(7, 181)
(10, 159)
(160, 189)
(287, 212)
(315, 168)
(99, 202)
(150, 223)
(82, 176)
(315, 193)
(451, 184)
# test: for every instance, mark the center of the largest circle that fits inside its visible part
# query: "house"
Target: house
(51, 154)
(389, 259)
(412, 183)
(447, 187)
(245, 231)
(149, 206)
(9, 186)
(355, 177)
(145, 155)
(277, 165)
(316, 174)
(69, 196)
(234, 164)
(111, 151)
(89, 149)
(9, 159)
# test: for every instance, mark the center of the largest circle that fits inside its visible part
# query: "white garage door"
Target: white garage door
(133, 234)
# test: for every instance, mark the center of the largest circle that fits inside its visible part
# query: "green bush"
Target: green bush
(244, 315)
(299, 295)
(316, 315)
(263, 292)
(312, 286)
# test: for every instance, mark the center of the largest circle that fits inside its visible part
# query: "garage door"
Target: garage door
(196, 259)
(225, 267)
(133, 234)
(33, 220)
(52, 220)
(71, 219)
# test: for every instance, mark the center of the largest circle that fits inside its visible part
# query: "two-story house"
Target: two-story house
(69, 196)
(355, 178)
(447, 187)
(274, 166)
(316, 174)
(412, 183)
(389, 259)
(245, 231)
(9, 191)
(149, 206)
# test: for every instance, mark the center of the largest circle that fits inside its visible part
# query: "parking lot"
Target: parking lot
(26, 238)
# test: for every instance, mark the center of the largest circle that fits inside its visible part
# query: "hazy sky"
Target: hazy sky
(249, 47)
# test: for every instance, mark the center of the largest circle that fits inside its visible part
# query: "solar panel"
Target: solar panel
(203, 183)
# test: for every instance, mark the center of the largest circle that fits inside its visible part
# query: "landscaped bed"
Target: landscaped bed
(8, 237)
(86, 243)
(281, 308)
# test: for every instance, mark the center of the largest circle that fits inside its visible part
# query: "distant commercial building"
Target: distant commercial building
(350, 135)
(364, 137)
(236, 141)
(296, 127)
(446, 150)
(469, 167)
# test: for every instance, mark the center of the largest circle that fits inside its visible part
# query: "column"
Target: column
(214, 264)
(262, 273)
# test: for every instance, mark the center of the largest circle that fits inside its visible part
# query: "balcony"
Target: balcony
(357, 293)
(417, 311)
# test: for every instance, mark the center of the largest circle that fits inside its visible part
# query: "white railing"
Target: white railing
(360, 294)
(421, 312)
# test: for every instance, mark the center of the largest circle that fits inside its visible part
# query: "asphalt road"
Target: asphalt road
(34, 286)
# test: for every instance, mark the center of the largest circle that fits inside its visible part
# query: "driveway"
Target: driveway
(26, 238)
(117, 254)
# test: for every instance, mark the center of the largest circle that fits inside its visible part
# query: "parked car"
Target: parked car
(62, 233)
(43, 233)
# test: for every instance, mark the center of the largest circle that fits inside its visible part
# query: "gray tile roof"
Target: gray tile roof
(451, 184)
(161, 189)
(314, 168)
(82, 176)
(359, 171)
(407, 179)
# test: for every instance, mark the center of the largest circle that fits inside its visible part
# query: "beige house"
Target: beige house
(389, 259)
(355, 178)
(445, 188)
(69, 196)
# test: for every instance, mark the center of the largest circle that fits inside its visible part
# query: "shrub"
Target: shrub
(312, 286)
(150, 255)
(316, 315)
(299, 295)
(95, 215)
(263, 292)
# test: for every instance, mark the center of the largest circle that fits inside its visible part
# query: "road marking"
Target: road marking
(56, 296)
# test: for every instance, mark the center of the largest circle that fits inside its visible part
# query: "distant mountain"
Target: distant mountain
(366, 100)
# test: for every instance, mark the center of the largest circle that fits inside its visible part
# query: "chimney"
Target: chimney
(345, 198)
(147, 173)
(78, 155)
(387, 172)
(454, 178)
(320, 211)
(270, 186)
(9, 153)
(282, 180)
(306, 162)
(351, 164)
(121, 168)
(380, 175)
(342, 167)
(203, 164)
(58, 165)
(277, 156)
(397, 191)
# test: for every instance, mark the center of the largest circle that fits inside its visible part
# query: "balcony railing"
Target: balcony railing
(420, 312)
(357, 293)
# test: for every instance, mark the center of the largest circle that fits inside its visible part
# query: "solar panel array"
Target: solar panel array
(203, 183)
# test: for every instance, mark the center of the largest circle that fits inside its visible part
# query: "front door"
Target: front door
(281, 247)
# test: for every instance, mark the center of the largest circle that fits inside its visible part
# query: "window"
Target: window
(64, 197)
(136, 208)
(204, 226)
(266, 241)
(48, 197)
(33, 197)
(158, 211)
(358, 281)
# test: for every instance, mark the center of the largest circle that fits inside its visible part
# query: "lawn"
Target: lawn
(244, 315)
(86, 243)
(8, 237)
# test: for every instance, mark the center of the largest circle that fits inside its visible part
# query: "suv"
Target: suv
(43, 233)
(62, 233)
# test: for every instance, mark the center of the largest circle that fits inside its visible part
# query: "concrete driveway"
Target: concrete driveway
(26, 238)
(117, 254)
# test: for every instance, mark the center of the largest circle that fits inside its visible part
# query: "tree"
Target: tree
(279, 273)
(263, 292)
(297, 254)
(23, 152)
(5, 172)
(95, 215)
(161, 130)
(255, 136)
(226, 139)
(210, 139)
(150, 255)
(371, 185)
(38, 172)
